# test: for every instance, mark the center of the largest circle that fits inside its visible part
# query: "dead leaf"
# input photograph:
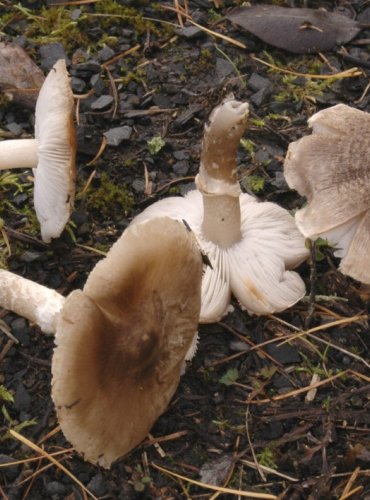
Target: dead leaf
(216, 472)
(296, 30)
(20, 77)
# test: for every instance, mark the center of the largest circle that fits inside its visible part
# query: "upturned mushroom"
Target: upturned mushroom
(330, 169)
(51, 153)
(121, 342)
(251, 246)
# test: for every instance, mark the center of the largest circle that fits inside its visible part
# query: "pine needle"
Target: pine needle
(348, 73)
(228, 491)
(45, 454)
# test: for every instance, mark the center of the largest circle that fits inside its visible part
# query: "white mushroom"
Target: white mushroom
(251, 245)
(121, 342)
(52, 151)
(330, 169)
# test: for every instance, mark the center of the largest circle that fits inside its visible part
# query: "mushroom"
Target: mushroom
(329, 168)
(251, 246)
(121, 342)
(52, 151)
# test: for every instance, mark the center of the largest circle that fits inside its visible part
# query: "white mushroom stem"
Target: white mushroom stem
(37, 303)
(217, 178)
(18, 153)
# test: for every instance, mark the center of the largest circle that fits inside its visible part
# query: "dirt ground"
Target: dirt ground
(243, 417)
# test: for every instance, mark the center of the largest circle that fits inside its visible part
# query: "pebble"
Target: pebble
(189, 32)
(105, 53)
(11, 471)
(181, 167)
(22, 399)
(20, 330)
(78, 85)
(55, 488)
(257, 82)
(50, 53)
(102, 102)
(116, 135)
(97, 485)
(223, 68)
(284, 353)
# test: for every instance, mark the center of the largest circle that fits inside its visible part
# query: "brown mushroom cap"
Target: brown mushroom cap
(122, 341)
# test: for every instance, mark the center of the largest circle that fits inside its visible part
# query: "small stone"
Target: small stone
(86, 69)
(105, 53)
(79, 217)
(273, 430)
(14, 128)
(223, 68)
(181, 167)
(284, 353)
(50, 54)
(55, 488)
(78, 85)
(97, 485)
(75, 14)
(22, 399)
(29, 256)
(103, 102)
(20, 330)
(97, 82)
(257, 82)
(138, 185)
(259, 97)
(10, 471)
(116, 135)
(181, 155)
(189, 32)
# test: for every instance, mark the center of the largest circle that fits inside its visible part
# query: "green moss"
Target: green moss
(137, 76)
(116, 13)
(294, 89)
(109, 198)
(55, 25)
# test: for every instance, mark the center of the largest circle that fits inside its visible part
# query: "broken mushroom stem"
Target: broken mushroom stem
(37, 303)
(18, 153)
(217, 177)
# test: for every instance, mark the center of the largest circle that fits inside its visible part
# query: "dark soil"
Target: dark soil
(242, 400)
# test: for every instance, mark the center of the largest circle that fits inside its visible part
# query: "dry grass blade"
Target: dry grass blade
(228, 491)
(309, 333)
(51, 434)
(349, 484)
(255, 460)
(296, 392)
(45, 454)
(99, 153)
(268, 470)
(5, 329)
(91, 249)
(208, 31)
(348, 73)
(339, 322)
(35, 459)
(169, 437)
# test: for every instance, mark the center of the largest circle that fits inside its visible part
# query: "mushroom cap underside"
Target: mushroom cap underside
(330, 168)
(122, 341)
(55, 173)
(256, 269)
